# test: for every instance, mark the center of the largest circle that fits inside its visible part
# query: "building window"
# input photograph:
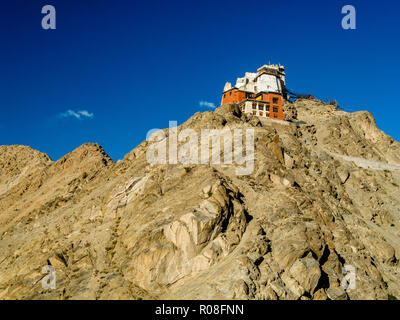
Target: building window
(261, 114)
(230, 93)
(254, 106)
(254, 113)
(260, 107)
(275, 115)
(275, 100)
(275, 109)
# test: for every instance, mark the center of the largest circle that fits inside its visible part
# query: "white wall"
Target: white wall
(264, 82)
(267, 82)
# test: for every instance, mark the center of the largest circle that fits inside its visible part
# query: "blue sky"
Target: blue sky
(112, 70)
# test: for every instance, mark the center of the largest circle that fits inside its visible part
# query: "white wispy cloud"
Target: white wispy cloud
(207, 104)
(81, 114)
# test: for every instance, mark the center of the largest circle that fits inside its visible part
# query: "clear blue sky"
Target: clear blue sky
(135, 65)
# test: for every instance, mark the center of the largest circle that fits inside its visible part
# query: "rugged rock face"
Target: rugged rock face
(324, 193)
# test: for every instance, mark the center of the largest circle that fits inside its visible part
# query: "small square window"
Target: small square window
(260, 107)
(262, 114)
(254, 113)
(275, 109)
(254, 106)
(275, 100)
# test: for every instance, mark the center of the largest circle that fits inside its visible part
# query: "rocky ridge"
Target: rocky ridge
(323, 194)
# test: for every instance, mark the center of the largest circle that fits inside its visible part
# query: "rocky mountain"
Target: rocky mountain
(324, 194)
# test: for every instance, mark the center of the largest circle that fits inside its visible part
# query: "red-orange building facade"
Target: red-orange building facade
(261, 104)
